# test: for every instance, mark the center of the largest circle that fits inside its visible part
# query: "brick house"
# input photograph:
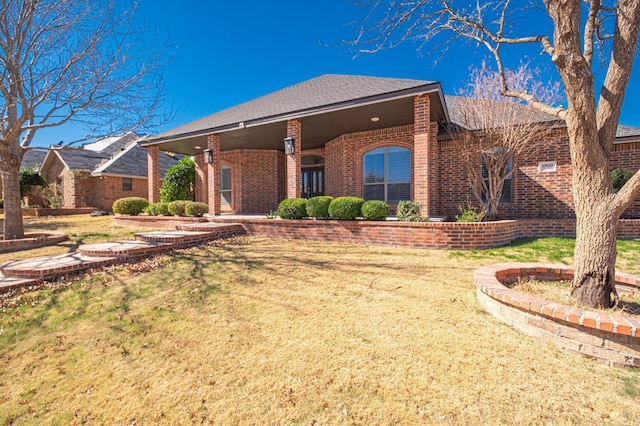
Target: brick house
(376, 138)
(98, 173)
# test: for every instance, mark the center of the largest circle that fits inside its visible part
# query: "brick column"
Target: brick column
(425, 157)
(213, 175)
(153, 173)
(201, 178)
(294, 162)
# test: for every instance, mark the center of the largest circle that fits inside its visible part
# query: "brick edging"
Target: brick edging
(33, 240)
(611, 338)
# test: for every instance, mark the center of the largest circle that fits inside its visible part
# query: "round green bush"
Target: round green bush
(176, 208)
(293, 208)
(163, 209)
(318, 207)
(196, 209)
(152, 209)
(619, 177)
(129, 205)
(345, 208)
(375, 210)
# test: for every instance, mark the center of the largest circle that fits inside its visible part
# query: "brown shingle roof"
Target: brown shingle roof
(325, 92)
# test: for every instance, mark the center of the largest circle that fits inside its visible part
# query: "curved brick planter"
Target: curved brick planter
(611, 338)
(32, 240)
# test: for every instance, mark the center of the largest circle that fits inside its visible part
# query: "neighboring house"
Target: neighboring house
(376, 138)
(98, 173)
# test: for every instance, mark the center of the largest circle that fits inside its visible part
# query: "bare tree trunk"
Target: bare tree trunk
(595, 257)
(596, 219)
(13, 226)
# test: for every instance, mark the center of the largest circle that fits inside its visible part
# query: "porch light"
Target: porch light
(288, 146)
(208, 156)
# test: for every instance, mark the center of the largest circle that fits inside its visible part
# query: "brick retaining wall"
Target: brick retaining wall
(428, 235)
(612, 338)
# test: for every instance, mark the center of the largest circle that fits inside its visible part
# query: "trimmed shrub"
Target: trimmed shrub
(375, 210)
(158, 209)
(196, 209)
(619, 177)
(345, 208)
(130, 205)
(163, 209)
(293, 208)
(409, 211)
(152, 209)
(176, 208)
(179, 181)
(318, 207)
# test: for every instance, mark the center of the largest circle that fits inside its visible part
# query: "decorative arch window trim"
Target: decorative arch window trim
(386, 174)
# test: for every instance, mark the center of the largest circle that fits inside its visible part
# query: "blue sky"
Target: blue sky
(231, 52)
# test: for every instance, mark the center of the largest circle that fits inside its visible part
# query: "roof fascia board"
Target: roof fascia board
(627, 139)
(101, 174)
(370, 100)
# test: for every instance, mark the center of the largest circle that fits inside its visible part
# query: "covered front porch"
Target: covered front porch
(250, 157)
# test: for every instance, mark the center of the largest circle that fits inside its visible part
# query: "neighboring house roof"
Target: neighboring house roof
(112, 145)
(32, 158)
(132, 162)
(114, 156)
(322, 94)
(79, 159)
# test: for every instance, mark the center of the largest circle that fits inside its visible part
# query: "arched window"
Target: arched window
(225, 186)
(386, 174)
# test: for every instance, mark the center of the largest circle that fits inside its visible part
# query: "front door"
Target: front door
(312, 182)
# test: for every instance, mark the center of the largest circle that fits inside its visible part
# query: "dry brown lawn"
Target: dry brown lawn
(268, 331)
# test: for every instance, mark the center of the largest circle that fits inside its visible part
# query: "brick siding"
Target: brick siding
(257, 179)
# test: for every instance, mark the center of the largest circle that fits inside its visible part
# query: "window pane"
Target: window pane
(126, 184)
(507, 191)
(373, 166)
(225, 198)
(399, 165)
(398, 191)
(225, 178)
(374, 192)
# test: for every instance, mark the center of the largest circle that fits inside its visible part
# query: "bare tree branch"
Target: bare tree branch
(63, 61)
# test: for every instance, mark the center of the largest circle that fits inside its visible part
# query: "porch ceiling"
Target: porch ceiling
(317, 129)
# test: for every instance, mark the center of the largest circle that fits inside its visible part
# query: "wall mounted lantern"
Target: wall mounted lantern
(208, 156)
(288, 146)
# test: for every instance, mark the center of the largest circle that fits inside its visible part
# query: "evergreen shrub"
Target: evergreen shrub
(130, 205)
(196, 209)
(293, 208)
(345, 208)
(318, 207)
(375, 210)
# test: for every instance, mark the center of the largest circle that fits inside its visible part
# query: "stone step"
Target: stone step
(123, 250)
(221, 230)
(177, 239)
(50, 266)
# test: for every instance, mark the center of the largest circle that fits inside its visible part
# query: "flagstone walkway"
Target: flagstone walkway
(27, 272)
